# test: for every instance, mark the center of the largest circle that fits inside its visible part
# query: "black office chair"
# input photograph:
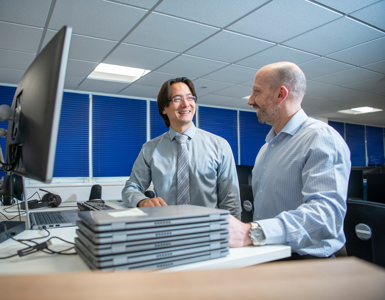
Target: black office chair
(247, 203)
(364, 229)
(96, 192)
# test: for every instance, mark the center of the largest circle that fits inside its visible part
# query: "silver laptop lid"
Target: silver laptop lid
(146, 217)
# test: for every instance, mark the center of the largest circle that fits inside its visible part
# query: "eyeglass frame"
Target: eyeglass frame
(194, 98)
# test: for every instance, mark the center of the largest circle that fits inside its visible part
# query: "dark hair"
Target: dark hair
(164, 95)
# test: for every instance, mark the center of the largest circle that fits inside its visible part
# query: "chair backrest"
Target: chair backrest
(244, 174)
(364, 229)
(96, 192)
(247, 203)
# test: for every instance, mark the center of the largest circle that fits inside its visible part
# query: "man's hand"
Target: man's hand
(152, 202)
(239, 233)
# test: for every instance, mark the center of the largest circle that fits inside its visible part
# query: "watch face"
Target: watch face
(257, 235)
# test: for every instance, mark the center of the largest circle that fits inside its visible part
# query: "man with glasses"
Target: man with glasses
(200, 170)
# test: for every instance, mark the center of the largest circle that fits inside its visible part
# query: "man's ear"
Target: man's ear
(283, 94)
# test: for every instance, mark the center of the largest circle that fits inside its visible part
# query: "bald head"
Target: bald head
(287, 74)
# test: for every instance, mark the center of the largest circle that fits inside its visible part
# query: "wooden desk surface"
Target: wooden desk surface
(345, 278)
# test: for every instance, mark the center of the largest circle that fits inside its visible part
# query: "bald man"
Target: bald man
(300, 177)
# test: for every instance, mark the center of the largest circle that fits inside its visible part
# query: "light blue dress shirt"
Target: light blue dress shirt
(300, 181)
(213, 175)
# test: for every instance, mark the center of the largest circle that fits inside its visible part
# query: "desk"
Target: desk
(344, 278)
(45, 263)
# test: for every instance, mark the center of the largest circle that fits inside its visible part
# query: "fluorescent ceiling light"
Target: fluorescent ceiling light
(247, 97)
(117, 73)
(359, 110)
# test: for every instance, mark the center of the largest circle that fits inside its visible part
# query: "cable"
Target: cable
(43, 247)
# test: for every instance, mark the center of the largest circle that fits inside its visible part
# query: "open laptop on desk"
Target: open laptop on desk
(58, 217)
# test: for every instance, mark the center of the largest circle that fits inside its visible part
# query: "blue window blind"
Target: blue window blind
(72, 149)
(339, 127)
(222, 122)
(118, 133)
(252, 136)
(375, 145)
(355, 138)
(6, 97)
(157, 126)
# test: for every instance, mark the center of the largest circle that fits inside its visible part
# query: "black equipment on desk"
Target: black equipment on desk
(49, 199)
(11, 228)
(95, 204)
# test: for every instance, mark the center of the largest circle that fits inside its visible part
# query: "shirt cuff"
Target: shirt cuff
(274, 230)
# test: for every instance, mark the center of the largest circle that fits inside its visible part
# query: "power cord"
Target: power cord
(36, 247)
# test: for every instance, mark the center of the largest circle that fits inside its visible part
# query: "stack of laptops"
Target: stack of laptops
(151, 237)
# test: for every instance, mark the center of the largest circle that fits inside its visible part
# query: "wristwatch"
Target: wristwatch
(256, 234)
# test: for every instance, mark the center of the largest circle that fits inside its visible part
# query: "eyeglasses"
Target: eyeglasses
(179, 99)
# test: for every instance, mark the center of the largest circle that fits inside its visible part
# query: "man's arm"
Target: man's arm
(140, 179)
(325, 176)
(227, 183)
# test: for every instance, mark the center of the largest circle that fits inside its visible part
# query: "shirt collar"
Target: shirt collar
(190, 132)
(292, 126)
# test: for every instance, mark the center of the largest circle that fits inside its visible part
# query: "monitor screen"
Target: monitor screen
(36, 107)
(356, 185)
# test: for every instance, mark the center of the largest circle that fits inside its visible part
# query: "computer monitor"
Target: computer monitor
(35, 112)
(356, 185)
(375, 187)
(33, 129)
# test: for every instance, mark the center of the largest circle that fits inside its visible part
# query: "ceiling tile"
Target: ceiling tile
(373, 51)
(85, 48)
(25, 12)
(169, 33)
(378, 66)
(28, 38)
(313, 86)
(214, 12)
(333, 93)
(142, 91)
(209, 86)
(156, 79)
(237, 104)
(211, 99)
(340, 34)
(72, 82)
(15, 60)
(191, 66)
(102, 19)
(264, 22)
(370, 85)
(232, 74)
(373, 14)
(80, 68)
(229, 47)
(236, 91)
(346, 6)
(142, 3)
(276, 54)
(349, 76)
(100, 86)
(139, 57)
(322, 66)
(10, 76)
